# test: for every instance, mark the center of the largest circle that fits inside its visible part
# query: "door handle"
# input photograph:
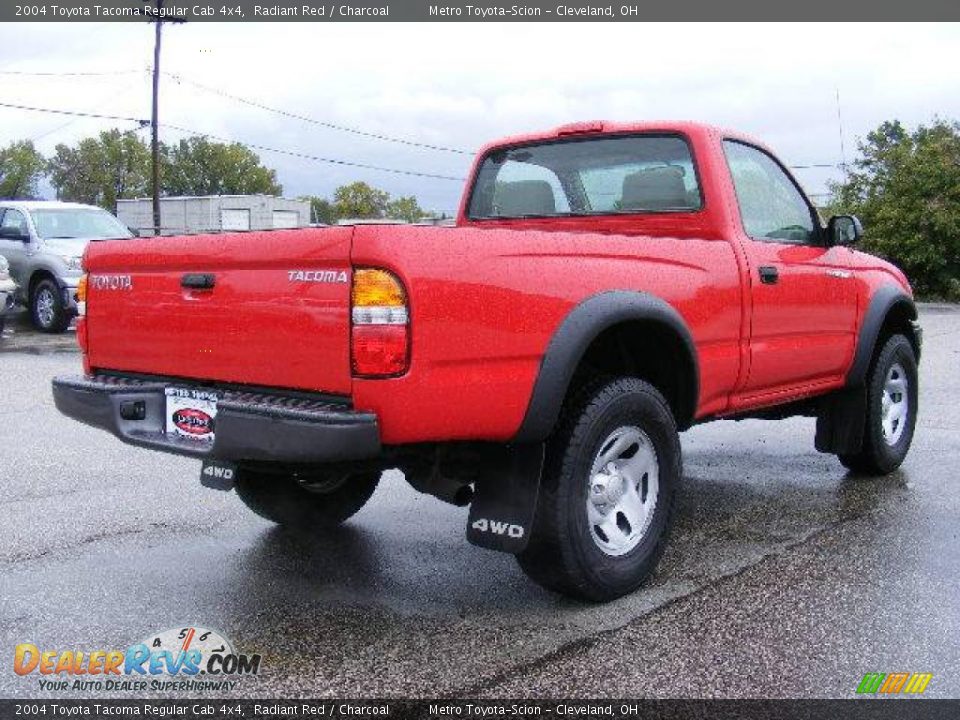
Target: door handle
(768, 274)
(840, 274)
(198, 281)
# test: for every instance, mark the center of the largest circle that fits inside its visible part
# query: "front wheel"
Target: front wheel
(304, 499)
(891, 410)
(607, 498)
(47, 309)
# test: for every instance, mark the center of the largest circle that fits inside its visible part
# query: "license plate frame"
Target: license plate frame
(191, 413)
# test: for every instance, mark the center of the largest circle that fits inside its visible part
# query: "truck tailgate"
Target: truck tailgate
(277, 313)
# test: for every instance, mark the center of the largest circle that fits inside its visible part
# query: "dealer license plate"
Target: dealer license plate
(191, 412)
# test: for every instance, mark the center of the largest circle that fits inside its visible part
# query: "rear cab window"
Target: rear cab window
(641, 173)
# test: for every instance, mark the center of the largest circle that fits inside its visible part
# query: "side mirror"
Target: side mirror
(844, 230)
(13, 233)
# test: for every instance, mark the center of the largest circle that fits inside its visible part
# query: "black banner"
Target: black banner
(478, 11)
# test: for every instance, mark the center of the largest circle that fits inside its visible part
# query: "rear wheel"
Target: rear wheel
(47, 309)
(606, 504)
(891, 410)
(304, 498)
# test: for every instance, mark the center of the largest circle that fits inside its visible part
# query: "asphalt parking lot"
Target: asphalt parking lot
(786, 577)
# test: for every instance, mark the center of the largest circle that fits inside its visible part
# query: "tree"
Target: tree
(405, 208)
(99, 171)
(359, 200)
(21, 168)
(906, 188)
(321, 210)
(199, 166)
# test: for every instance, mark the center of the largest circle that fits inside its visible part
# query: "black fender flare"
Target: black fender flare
(582, 325)
(883, 301)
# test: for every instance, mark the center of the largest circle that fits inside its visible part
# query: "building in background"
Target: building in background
(214, 213)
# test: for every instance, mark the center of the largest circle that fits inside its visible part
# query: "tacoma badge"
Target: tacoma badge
(320, 276)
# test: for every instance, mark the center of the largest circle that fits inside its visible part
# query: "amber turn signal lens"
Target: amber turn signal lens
(377, 288)
(82, 289)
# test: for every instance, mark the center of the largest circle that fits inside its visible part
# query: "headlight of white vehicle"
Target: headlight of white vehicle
(73, 262)
(4, 268)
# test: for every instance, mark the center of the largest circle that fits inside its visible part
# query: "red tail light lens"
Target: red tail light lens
(379, 350)
(380, 344)
(82, 333)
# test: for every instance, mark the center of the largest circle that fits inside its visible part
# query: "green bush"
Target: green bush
(905, 187)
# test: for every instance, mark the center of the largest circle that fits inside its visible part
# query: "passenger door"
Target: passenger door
(803, 297)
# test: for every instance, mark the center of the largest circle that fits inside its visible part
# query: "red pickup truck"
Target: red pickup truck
(606, 286)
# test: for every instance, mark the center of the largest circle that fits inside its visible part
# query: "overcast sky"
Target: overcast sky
(461, 84)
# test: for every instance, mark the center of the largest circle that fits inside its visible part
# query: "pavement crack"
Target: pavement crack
(87, 540)
(582, 644)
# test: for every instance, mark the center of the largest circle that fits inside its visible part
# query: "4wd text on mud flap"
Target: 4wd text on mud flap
(498, 528)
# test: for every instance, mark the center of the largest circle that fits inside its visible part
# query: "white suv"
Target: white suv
(44, 241)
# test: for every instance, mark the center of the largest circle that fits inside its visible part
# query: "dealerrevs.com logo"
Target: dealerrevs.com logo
(188, 658)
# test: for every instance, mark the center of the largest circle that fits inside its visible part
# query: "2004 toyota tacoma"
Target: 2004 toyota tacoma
(605, 286)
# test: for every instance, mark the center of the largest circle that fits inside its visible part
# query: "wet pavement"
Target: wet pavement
(785, 575)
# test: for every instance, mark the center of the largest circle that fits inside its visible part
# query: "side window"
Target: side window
(14, 219)
(771, 207)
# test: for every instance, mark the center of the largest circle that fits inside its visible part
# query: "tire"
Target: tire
(297, 500)
(47, 309)
(583, 542)
(892, 384)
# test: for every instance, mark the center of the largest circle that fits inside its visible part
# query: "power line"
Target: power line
(68, 74)
(280, 151)
(317, 158)
(75, 113)
(98, 103)
(332, 126)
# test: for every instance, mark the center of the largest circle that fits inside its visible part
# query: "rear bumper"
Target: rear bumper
(249, 425)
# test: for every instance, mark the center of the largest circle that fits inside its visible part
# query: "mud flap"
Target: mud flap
(501, 514)
(218, 475)
(841, 422)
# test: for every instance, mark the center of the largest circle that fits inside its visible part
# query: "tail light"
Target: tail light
(380, 339)
(81, 296)
(81, 299)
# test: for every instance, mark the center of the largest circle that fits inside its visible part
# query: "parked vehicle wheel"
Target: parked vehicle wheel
(304, 500)
(607, 498)
(891, 410)
(47, 308)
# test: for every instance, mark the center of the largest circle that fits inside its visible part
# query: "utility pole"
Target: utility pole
(154, 127)
(158, 21)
